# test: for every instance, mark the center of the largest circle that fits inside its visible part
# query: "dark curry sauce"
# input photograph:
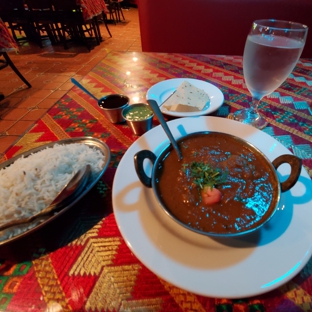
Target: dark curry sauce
(249, 191)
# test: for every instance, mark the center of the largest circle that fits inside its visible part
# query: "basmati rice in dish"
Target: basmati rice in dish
(31, 183)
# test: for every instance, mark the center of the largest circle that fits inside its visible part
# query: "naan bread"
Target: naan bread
(187, 98)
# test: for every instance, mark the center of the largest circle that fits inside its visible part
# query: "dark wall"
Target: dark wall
(213, 26)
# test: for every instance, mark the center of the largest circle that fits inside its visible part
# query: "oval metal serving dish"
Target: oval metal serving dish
(92, 142)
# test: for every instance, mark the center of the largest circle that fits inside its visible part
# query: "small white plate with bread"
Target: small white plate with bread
(186, 97)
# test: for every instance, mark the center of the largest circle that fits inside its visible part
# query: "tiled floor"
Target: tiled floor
(49, 70)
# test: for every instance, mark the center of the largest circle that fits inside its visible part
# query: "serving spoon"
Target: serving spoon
(74, 187)
(154, 106)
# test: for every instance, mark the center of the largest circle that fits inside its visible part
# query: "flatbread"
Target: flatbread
(187, 98)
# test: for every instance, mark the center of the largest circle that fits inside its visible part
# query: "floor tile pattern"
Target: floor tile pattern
(49, 70)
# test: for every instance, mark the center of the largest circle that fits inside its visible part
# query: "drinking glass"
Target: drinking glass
(271, 52)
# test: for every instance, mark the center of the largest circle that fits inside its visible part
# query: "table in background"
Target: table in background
(92, 8)
(7, 43)
(80, 262)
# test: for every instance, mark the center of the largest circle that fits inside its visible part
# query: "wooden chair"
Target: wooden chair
(16, 16)
(119, 9)
(104, 20)
(115, 10)
(43, 17)
(72, 24)
(8, 62)
(112, 11)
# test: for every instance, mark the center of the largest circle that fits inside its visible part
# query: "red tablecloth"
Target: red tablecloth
(7, 43)
(80, 261)
(91, 8)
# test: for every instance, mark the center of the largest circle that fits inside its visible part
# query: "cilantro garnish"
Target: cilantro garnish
(204, 174)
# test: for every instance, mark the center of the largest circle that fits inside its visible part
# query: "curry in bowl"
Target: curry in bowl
(223, 186)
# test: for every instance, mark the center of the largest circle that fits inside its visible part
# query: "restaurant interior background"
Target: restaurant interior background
(49, 70)
(89, 266)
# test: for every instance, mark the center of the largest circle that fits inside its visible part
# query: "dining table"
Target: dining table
(91, 9)
(87, 260)
(7, 43)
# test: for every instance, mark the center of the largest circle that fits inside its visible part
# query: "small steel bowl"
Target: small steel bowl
(159, 170)
(112, 106)
(139, 124)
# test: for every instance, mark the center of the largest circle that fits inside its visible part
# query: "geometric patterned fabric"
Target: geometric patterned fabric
(80, 262)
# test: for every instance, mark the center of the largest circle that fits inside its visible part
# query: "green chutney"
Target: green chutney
(138, 112)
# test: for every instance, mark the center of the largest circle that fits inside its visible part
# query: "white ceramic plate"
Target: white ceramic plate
(162, 90)
(222, 268)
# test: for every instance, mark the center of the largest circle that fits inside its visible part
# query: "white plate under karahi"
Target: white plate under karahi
(221, 268)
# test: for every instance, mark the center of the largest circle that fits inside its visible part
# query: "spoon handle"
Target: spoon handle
(79, 85)
(154, 106)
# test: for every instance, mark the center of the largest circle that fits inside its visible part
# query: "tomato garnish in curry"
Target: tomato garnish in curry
(206, 177)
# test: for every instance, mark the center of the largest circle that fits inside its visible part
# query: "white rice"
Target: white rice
(30, 184)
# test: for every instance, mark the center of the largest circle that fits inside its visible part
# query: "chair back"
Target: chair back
(12, 10)
(9, 5)
(65, 5)
(39, 4)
